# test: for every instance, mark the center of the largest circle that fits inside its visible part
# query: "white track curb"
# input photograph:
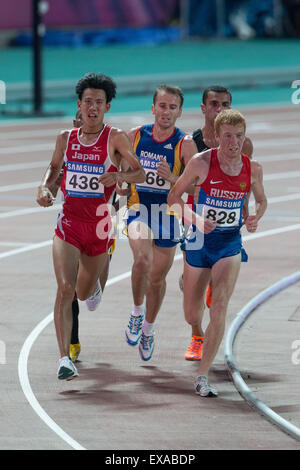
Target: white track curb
(239, 383)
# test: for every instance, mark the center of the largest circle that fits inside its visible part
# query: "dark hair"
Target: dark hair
(97, 81)
(215, 89)
(174, 90)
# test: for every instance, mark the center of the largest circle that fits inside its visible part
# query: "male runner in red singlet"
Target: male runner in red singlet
(215, 98)
(224, 176)
(93, 155)
(92, 303)
(75, 346)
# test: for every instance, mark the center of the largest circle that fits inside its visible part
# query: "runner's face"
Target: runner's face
(93, 106)
(231, 139)
(166, 109)
(215, 103)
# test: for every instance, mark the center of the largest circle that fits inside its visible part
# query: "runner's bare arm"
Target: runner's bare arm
(247, 149)
(259, 195)
(122, 152)
(45, 197)
(195, 173)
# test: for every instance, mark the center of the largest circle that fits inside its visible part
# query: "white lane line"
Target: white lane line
(282, 175)
(27, 148)
(35, 184)
(285, 142)
(29, 134)
(18, 187)
(14, 244)
(253, 127)
(259, 144)
(36, 246)
(33, 210)
(276, 199)
(24, 249)
(280, 157)
(281, 111)
(275, 231)
(24, 166)
(27, 390)
(271, 127)
(24, 379)
(29, 210)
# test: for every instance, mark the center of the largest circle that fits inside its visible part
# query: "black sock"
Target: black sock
(75, 313)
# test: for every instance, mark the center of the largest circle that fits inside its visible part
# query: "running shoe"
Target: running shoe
(194, 351)
(146, 347)
(208, 296)
(133, 331)
(74, 351)
(66, 369)
(203, 388)
(93, 301)
(180, 282)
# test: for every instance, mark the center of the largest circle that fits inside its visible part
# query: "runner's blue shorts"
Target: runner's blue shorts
(203, 251)
(166, 229)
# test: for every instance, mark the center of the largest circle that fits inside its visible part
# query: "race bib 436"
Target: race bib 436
(82, 179)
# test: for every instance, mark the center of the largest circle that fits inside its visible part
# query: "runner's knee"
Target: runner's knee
(142, 262)
(66, 290)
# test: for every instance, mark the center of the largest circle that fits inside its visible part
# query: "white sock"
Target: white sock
(138, 310)
(148, 328)
(98, 288)
(63, 357)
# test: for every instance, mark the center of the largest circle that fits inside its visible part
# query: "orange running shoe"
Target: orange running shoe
(194, 351)
(208, 296)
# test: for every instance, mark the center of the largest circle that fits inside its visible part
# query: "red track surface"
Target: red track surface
(118, 402)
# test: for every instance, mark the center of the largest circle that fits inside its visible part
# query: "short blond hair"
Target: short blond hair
(231, 117)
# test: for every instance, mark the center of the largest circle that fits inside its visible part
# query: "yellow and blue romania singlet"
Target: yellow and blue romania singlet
(148, 200)
(221, 199)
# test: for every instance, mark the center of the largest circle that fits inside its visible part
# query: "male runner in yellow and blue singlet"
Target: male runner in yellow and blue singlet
(154, 232)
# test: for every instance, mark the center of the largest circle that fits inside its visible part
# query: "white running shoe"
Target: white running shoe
(66, 369)
(95, 299)
(203, 388)
(134, 329)
(146, 347)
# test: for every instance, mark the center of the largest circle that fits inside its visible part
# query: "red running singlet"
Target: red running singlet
(85, 219)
